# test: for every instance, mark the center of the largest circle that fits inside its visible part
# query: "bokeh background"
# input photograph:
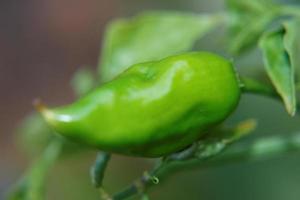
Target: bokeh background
(42, 44)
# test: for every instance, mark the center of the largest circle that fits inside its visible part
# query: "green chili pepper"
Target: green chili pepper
(153, 108)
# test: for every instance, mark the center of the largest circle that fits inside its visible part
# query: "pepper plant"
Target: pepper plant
(150, 38)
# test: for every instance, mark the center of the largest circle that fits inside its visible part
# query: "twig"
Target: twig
(32, 185)
(97, 173)
(139, 186)
(256, 87)
(98, 169)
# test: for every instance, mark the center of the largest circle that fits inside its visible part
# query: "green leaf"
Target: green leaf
(247, 21)
(278, 66)
(150, 36)
(249, 34)
(290, 10)
(83, 81)
(34, 134)
(291, 41)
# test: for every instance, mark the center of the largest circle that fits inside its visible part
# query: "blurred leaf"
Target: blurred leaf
(216, 142)
(248, 36)
(34, 134)
(278, 66)
(32, 186)
(248, 20)
(290, 10)
(83, 81)
(249, 6)
(291, 41)
(211, 146)
(145, 197)
(150, 36)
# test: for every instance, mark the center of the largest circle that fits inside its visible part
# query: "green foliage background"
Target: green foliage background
(278, 178)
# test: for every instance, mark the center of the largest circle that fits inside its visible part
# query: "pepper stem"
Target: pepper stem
(39, 105)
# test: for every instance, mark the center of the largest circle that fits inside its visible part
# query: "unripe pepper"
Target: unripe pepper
(153, 108)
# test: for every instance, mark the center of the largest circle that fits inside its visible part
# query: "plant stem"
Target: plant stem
(97, 171)
(256, 87)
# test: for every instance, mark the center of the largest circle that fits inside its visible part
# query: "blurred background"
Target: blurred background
(42, 44)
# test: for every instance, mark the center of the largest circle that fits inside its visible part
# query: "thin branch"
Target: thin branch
(98, 169)
(32, 185)
(139, 186)
(256, 87)
(253, 86)
(97, 173)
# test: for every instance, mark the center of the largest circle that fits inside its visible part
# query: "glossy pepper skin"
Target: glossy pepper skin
(153, 108)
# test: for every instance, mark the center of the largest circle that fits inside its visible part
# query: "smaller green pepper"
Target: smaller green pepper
(153, 108)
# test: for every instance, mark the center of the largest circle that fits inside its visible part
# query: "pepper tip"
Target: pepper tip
(39, 105)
